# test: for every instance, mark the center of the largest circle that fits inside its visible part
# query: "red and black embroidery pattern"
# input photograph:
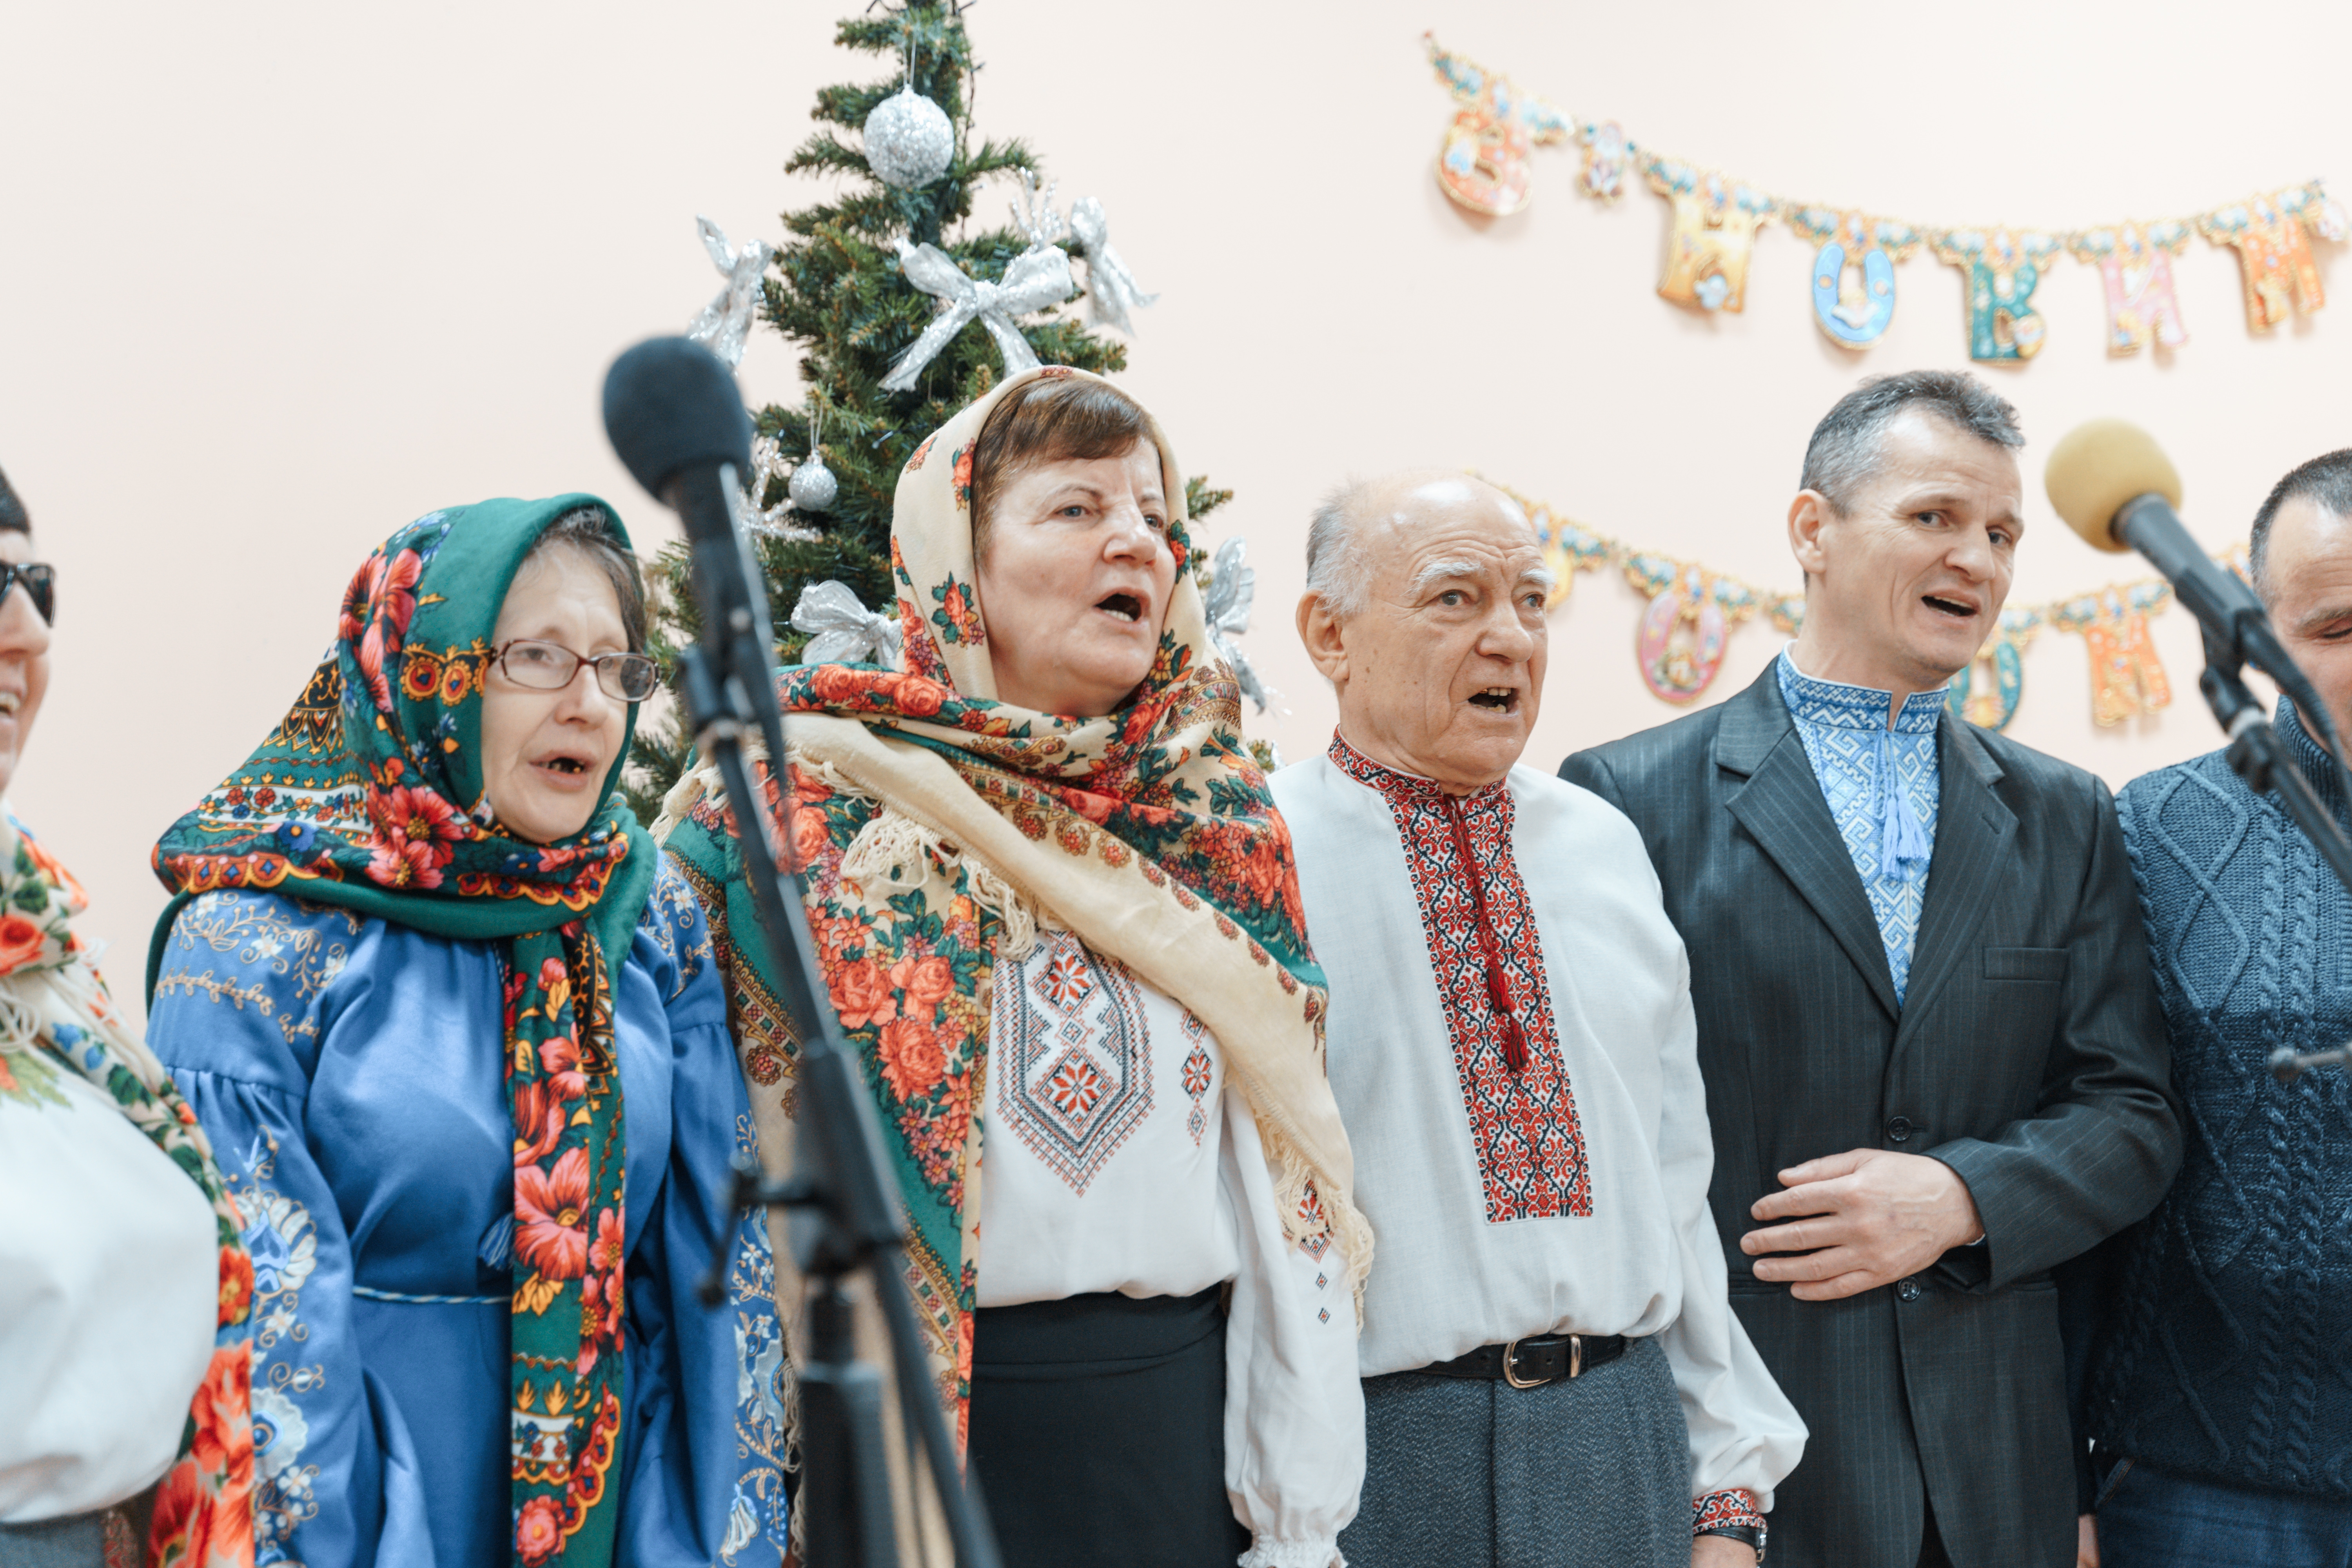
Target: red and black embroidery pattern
(1199, 1072)
(1730, 1506)
(1523, 1125)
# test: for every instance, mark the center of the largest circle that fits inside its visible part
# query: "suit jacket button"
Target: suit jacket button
(1909, 1289)
(1900, 1129)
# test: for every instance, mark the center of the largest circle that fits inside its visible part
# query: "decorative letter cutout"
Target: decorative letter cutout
(2273, 252)
(1854, 271)
(2136, 262)
(2003, 267)
(2000, 666)
(1484, 165)
(2126, 678)
(1607, 156)
(1715, 220)
(1679, 641)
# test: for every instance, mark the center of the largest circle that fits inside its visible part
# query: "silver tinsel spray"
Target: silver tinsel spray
(1232, 591)
(908, 142)
(812, 486)
(1111, 286)
(727, 320)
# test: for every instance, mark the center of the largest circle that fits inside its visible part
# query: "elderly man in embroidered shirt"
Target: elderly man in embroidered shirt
(1552, 1375)
(1933, 1054)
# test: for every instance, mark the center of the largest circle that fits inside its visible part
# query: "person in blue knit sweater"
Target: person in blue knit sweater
(2212, 1355)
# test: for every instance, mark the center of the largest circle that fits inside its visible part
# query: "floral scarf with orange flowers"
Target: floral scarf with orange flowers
(935, 825)
(370, 795)
(53, 1000)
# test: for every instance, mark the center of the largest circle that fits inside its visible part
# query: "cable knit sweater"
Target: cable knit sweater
(2223, 1323)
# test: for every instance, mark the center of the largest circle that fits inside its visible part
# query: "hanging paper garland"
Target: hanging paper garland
(1714, 235)
(2126, 678)
(1854, 271)
(1680, 639)
(2003, 269)
(2135, 263)
(2273, 252)
(1485, 166)
(2000, 664)
(1608, 157)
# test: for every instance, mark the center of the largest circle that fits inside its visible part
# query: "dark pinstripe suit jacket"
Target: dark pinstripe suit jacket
(2031, 1058)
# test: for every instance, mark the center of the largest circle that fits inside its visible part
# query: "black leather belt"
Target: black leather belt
(1532, 1362)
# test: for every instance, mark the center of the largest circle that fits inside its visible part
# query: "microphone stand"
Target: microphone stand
(2259, 755)
(844, 1196)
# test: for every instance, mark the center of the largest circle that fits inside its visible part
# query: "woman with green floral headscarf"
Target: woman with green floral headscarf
(1058, 919)
(459, 1038)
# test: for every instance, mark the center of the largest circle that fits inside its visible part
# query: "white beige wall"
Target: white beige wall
(276, 277)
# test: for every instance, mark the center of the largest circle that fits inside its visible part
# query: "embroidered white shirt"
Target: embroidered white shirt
(1118, 1158)
(1569, 1198)
(110, 1286)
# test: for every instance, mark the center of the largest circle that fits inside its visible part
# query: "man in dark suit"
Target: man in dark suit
(1934, 1064)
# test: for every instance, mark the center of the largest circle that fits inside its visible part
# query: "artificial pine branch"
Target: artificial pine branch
(836, 291)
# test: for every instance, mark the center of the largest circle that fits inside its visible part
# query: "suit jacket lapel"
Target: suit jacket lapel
(1782, 808)
(1972, 825)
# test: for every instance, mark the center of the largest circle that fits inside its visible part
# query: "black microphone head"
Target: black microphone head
(669, 404)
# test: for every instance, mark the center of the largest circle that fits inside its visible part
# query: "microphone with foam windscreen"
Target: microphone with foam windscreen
(2114, 485)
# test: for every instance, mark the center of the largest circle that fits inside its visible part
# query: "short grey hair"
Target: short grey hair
(2325, 482)
(1844, 454)
(1339, 576)
(588, 530)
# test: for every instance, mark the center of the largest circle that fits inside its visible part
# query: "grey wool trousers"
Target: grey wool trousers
(1588, 1473)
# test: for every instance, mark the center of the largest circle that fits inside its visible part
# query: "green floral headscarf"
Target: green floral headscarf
(370, 796)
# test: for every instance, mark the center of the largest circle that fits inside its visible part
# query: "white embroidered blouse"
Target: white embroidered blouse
(1569, 1195)
(1119, 1159)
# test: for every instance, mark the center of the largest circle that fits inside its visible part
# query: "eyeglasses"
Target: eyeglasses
(40, 580)
(550, 666)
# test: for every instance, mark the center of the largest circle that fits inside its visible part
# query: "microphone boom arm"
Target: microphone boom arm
(847, 1190)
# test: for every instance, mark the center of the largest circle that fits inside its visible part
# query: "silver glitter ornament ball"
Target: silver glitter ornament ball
(908, 142)
(812, 486)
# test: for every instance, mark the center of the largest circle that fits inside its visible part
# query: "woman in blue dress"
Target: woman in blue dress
(455, 1031)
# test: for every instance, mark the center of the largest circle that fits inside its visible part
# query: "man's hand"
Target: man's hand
(1862, 1220)
(1720, 1551)
(2086, 1541)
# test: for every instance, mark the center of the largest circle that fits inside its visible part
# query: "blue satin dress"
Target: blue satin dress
(350, 1073)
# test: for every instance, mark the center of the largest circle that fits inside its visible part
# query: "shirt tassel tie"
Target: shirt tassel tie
(1499, 986)
(1901, 838)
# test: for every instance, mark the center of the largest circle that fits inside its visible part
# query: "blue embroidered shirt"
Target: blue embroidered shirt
(1883, 787)
(351, 1075)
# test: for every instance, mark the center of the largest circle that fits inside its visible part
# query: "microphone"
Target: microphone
(2114, 485)
(675, 419)
(671, 406)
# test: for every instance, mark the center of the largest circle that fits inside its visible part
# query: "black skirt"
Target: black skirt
(1098, 1431)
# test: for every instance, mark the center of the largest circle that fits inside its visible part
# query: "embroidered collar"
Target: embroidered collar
(1395, 783)
(1845, 707)
(1486, 957)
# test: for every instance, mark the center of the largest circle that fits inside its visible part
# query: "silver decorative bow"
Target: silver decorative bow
(1111, 286)
(842, 630)
(1036, 279)
(727, 320)
(1233, 589)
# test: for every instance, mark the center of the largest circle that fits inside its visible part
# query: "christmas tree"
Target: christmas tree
(837, 291)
